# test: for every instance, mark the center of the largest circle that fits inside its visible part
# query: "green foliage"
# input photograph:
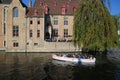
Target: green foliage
(117, 24)
(93, 26)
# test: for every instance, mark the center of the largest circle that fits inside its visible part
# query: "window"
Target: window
(15, 44)
(55, 32)
(63, 9)
(65, 21)
(4, 29)
(38, 22)
(15, 31)
(31, 22)
(35, 44)
(38, 33)
(31, 33)
(65, 32)
(4, 14)
(4, 43)
(15, 12)
(55, 21)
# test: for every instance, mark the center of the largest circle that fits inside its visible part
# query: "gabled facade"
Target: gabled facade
(16, 26)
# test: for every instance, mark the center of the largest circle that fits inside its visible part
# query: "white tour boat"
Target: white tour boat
(71, 59)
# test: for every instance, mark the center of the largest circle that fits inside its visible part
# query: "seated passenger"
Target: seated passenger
(81, 57)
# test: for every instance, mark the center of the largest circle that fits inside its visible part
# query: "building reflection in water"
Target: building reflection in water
(15, 66)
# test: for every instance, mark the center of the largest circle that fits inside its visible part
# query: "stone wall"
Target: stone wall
(20, 21)
(50, 47)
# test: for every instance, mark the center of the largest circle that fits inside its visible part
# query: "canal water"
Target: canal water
(40, 66)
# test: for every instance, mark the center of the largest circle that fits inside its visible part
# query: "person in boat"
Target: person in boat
(69, 55)
(91, 57)
(64, 55)
(74, 56)
(81, 57)
(85, 56)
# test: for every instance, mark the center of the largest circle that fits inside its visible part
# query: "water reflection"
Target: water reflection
(22, 66)
(114, 57)
(80, 72)
(59, 72)
(40, 66)
(62, 63)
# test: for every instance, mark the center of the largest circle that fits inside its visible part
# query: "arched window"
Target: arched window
(15, 12)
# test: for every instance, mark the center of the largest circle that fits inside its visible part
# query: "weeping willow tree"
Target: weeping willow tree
(94, 27)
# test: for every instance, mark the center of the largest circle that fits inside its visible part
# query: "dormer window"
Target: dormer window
(35, 12)
(55, 3)
(63, 9)
(74, 8)
(68, 4)
(40, 3)
(46, 9)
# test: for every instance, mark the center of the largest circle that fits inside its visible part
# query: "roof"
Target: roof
(9, 2)
(22, 3)
(5, 1)
(35, 12)
(55, 6)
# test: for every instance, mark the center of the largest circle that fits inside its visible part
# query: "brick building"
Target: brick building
(44, 27)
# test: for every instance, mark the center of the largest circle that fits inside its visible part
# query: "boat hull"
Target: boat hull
(70, 59)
